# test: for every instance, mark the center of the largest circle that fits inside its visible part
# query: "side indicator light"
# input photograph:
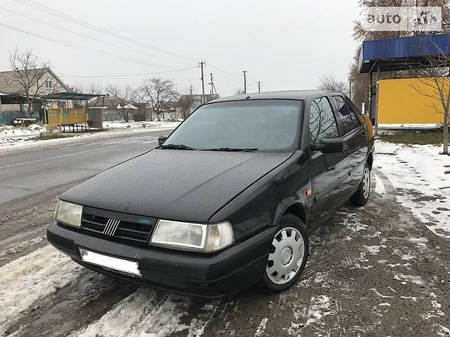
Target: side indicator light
(308, 192)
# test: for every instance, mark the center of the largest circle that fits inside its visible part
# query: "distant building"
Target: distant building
(114, 108)
(13, 102)
(197, 101)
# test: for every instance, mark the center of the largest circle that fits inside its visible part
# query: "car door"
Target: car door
(328, 170)
(355, 136)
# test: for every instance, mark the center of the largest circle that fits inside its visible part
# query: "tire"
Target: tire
(288, 254)
(362, 194)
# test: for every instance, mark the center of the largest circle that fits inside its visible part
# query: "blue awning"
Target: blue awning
(402, 53)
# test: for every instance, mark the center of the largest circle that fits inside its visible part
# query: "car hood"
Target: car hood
(175, 184)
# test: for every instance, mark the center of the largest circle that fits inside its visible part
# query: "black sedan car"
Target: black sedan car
(227, 200)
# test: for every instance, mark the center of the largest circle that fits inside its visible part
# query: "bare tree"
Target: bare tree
(29, 75)
(328, 82)
(76, 89)
(125, 97)
(94, 88)
(157, 93)
(239, 92)
(435, 84)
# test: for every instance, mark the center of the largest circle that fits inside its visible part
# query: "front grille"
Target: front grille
(117, 226)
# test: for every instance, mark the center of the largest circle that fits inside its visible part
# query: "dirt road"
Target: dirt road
(373, 271)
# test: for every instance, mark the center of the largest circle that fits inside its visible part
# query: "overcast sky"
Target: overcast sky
(285, 44)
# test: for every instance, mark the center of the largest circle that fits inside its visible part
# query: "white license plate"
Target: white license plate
(109, 262)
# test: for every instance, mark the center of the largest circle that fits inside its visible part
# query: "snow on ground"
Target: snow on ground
(419, 174)
(146, 124)
(19, 137)
(143, 314)
(421, 177)
(10, 134)
(397, 127)
(37, 280)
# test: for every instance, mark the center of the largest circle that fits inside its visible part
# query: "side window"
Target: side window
(347, 116)
(321, 120)
(356, 111)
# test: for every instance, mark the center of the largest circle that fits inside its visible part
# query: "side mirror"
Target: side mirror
(328, 145)
(161, 140)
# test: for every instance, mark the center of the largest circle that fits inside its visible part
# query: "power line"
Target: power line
(130, 75)
(67, 17)
(78, 47)
(82, 35)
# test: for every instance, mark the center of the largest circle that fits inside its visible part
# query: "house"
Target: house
(114, 108)
(26, 87)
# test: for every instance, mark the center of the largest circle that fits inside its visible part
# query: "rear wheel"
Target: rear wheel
(287, 255)
(362, 194)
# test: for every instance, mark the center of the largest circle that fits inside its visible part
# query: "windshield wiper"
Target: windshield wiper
(175, 147)
(232, 149)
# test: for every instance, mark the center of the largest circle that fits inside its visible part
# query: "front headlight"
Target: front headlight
(192, 236)
(68, 213)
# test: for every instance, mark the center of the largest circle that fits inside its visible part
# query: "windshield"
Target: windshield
(260, 125)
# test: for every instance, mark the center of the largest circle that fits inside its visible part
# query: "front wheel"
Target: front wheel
(287, 255)
(362, 194)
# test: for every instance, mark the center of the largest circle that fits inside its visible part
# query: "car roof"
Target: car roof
(290, 94)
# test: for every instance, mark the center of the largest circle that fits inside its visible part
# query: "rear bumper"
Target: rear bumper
(212, 275)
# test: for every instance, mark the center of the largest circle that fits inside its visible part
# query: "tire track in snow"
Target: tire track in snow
(28, 279)
(145, 313)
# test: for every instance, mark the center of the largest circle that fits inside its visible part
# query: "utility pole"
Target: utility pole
(259, 86)
(245, 81)
(213, 87)
(201, 65)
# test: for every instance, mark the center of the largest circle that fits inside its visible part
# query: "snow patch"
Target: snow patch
(409, 278)
(420, 175)
(28, 279)
(407, 257)
(142, 315)
(380, 295)
(20, 247)
(436, 311)
(420, 242)
(384, 305)
(319, 308)
(379, 186)
(261, 328)
(198, 325)
(373, 250)
(443, 331)
(321, 277)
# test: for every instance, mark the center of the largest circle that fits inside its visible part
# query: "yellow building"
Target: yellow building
(410, 101)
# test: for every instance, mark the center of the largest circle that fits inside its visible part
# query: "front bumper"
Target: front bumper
(210, 275)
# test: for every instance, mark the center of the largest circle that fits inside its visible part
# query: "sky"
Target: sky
(284, 44)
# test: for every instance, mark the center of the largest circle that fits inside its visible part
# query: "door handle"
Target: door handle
(346, 148)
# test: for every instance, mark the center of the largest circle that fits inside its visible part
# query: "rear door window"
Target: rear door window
(358, 113)
(322, 122)
(346, 114)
